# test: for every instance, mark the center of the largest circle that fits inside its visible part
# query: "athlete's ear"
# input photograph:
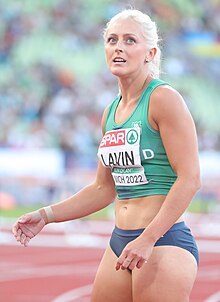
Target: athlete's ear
(151, 54)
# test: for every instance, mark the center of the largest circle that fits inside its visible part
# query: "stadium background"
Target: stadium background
(54, 86)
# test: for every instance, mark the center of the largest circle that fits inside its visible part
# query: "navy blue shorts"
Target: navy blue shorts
(178, 235)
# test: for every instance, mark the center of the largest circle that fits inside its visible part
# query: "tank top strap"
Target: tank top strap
(150, 88)
(145, 99)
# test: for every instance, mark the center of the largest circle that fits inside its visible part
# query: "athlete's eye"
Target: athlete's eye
(131, 40)
(111, 40)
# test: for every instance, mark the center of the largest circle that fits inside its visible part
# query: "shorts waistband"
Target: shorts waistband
(137, 232)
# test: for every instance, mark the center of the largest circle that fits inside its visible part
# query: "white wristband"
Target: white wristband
(50, 215)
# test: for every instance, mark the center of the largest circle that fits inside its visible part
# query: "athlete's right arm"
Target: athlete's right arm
(90, 199)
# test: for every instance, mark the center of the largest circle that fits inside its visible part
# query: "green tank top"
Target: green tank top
(135, 152)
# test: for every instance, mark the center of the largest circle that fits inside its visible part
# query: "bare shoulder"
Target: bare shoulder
(166, 95)
(167, 102)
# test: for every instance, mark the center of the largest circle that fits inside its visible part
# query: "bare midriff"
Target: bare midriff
(137, 213)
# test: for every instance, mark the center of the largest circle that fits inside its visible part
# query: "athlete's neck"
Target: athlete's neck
(131, 89)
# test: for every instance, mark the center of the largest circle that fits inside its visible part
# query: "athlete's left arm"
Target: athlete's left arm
(171, 116)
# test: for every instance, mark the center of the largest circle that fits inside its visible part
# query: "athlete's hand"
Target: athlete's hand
(135, 254)
(28, 226)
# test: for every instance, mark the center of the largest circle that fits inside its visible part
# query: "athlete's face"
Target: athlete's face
(125, 48)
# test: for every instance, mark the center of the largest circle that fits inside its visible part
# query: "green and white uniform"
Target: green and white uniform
(134, 151)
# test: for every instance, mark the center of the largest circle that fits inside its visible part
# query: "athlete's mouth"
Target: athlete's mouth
(119, 60)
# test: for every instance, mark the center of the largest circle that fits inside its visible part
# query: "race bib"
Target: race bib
(120, 150)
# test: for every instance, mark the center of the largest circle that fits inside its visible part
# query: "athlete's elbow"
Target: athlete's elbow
(107, 192)
(191, 181)
(195, 182)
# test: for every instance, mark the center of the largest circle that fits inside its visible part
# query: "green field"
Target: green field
(17, 212)
(197, 206)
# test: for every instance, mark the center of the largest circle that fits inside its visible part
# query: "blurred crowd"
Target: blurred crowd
(46, 104)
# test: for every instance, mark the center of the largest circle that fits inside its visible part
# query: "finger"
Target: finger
(118, 265)
(18, 235)
(141, 262)
(23, 238)
(25, 218)
(15, 229)
(126, 263)
(26, 241)
(132, 264)
(120, 261)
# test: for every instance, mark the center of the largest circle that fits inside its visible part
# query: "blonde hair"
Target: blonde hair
(150, 33)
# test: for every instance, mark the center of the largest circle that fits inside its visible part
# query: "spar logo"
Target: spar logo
(132, 136)
(113, 138)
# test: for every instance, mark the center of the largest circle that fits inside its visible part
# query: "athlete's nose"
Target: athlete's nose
(119, 46)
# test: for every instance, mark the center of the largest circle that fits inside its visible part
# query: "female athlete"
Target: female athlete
(148, 165)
